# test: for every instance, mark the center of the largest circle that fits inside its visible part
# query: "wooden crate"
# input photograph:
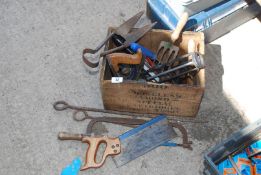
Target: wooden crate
(147, 97)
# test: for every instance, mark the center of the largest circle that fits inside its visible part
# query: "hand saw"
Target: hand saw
(123, 58)
(127, 146)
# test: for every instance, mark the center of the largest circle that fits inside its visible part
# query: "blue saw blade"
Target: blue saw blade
(143, 139)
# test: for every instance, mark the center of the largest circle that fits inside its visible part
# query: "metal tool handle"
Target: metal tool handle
(86, 60)
(122, 58)
(113, 50)
(104, 42)
(182, 22)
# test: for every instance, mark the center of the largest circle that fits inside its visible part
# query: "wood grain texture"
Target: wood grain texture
(112, 148)
(170, 99)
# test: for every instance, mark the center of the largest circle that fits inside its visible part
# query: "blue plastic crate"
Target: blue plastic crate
(214, 21)
(235, 143)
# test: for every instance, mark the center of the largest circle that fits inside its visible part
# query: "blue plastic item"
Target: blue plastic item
(254, 151)
(214, 21)
(190, 6)
(146, 52)
(257, 169)
(198, 22)
(74, 168)
(242, 161)
(229, 146)
(254, 148)
(169, 144)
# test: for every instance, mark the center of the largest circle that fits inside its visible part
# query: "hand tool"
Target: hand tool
(149, 73)
(123, 29)
(113, 147)
(196, 63)
(182, 22)
(130, 122)
(119, 41)
(128, 146)
(146, 52)
(143, 139)
(62, 105)
(128, 72)
(167, 52)
(122, 58)
(129, 38)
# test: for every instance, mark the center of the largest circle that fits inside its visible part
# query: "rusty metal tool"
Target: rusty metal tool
(195, 64)
(62, 105)
(122, 58)
(129, 37)
(135, 122)
(128, 146)
(123, 29)
(167, 52)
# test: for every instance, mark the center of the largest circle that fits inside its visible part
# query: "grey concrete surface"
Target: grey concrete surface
(40, 62)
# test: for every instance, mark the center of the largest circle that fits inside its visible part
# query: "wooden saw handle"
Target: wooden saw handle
(113, 147)
(69, 136)
(122, 58)
(182, 22)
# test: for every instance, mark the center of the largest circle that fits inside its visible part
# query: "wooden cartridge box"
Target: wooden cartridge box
(148, 97)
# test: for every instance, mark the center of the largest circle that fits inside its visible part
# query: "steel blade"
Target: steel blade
(137, 34)
(143, 139)
(125, 28)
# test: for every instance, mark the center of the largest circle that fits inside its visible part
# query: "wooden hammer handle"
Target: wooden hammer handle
(122, 58)
(182, 22)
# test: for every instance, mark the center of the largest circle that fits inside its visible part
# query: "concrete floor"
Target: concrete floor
(40, 62)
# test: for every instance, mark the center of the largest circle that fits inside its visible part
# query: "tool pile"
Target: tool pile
(132, 61)
(148, 134)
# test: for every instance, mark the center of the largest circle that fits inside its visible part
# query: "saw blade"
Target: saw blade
(143, 139)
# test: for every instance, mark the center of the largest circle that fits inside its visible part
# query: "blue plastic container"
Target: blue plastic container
(237, 142)
(241, 160)
(214, 21)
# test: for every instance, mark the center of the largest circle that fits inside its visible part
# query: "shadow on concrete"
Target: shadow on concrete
(216, 108)
(259, 17)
